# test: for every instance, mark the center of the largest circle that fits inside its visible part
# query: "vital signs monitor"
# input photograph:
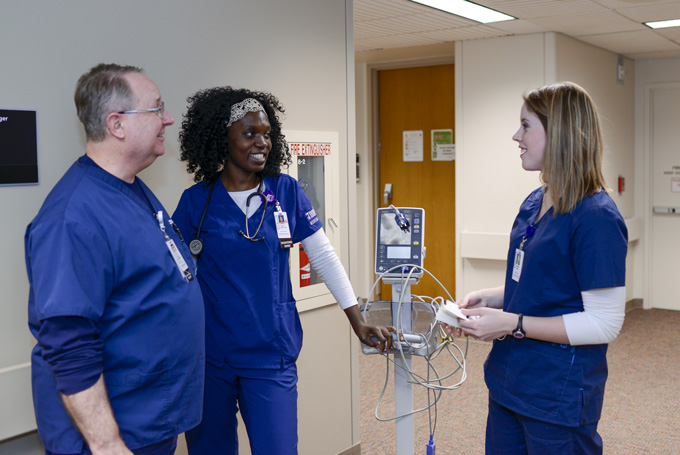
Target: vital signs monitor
(399, 241)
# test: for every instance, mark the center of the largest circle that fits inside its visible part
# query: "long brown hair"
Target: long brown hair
(572, 167)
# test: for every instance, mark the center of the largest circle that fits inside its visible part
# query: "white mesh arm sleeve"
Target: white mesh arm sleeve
(327, 264)
(601, 318)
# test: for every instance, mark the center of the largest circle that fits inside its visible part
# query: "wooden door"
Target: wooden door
(421, 99)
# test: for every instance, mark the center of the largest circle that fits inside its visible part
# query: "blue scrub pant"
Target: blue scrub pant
(267, 400)
(509, 433)
(166, 447)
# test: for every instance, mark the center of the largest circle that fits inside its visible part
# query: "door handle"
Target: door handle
(387, 194)
(658, 209)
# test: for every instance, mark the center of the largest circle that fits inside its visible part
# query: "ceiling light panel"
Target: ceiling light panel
(529, 9)
(467, 9)
(664, 24)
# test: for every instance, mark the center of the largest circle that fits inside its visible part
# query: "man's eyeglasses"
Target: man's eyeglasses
(159, 110)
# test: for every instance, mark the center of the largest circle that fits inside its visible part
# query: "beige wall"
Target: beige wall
(297, 49)
(491, 76)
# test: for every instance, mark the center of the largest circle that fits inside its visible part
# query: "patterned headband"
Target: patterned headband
(238, 110)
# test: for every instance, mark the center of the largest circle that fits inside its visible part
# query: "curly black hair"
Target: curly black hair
(203, 137)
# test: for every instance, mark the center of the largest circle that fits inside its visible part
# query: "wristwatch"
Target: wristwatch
(519, 332)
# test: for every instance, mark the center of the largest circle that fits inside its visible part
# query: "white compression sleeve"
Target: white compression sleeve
(601, 318)
(327, 264)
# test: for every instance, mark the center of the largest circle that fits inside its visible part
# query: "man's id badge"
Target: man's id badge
(179, 260)
(517, 267)
(172, 247)
(282, 229)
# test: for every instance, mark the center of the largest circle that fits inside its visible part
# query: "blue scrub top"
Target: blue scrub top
(251, 317)
(567, 254)
(96, 251)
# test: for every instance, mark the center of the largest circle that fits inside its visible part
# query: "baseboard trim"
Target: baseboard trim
(633, 304)
(354, 450)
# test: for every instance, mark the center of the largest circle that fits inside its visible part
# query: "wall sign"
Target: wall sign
(18, 147)
(675, 184)
(443, 148)
(413, 145)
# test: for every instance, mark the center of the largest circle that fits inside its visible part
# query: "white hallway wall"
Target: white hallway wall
(296, 49)
(648, 73)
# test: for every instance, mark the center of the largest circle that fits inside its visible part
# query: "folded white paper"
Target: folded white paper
(449, 313)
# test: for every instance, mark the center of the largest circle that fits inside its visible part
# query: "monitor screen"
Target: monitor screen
(398, 252)
(390, 233)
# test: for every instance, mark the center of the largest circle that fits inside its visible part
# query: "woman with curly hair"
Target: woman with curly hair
(243, 216)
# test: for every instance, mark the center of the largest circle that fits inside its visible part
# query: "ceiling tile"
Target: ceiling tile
(577, 24)
(463, 33)
(650, 55)
(650, 12)
(518, 27)
(529, 9)
(672, 33)
(376, 9)
(631, 42)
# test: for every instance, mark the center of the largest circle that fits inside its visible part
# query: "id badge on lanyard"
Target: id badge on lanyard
(282, 228)
(174, 251)
(519, 254)
(517, 267)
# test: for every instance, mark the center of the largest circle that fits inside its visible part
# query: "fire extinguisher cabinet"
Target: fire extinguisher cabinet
(315, 166)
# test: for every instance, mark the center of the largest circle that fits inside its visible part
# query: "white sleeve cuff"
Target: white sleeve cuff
(601, 319)
(327, 264)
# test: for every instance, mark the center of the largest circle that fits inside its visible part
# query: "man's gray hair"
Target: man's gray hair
(99, 92)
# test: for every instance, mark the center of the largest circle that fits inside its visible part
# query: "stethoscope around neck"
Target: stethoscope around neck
(196, 245)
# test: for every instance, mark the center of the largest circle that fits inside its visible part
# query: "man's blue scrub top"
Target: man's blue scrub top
(251, 317)
(95, 251)
(574, 252)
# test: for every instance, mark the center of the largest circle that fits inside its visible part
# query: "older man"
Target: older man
(118, 315)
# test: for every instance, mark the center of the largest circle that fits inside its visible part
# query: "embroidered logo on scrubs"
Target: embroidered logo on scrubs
(311, 217)
(269, 195)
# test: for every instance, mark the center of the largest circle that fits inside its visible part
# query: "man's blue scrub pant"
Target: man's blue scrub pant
(268, 403)
(509, 433)
(166, 447)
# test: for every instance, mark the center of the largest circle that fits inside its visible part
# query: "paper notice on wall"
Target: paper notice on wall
(413, 146)
(675, 184)
(443, 148)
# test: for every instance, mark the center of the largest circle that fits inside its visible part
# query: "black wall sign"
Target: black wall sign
(18, 147)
